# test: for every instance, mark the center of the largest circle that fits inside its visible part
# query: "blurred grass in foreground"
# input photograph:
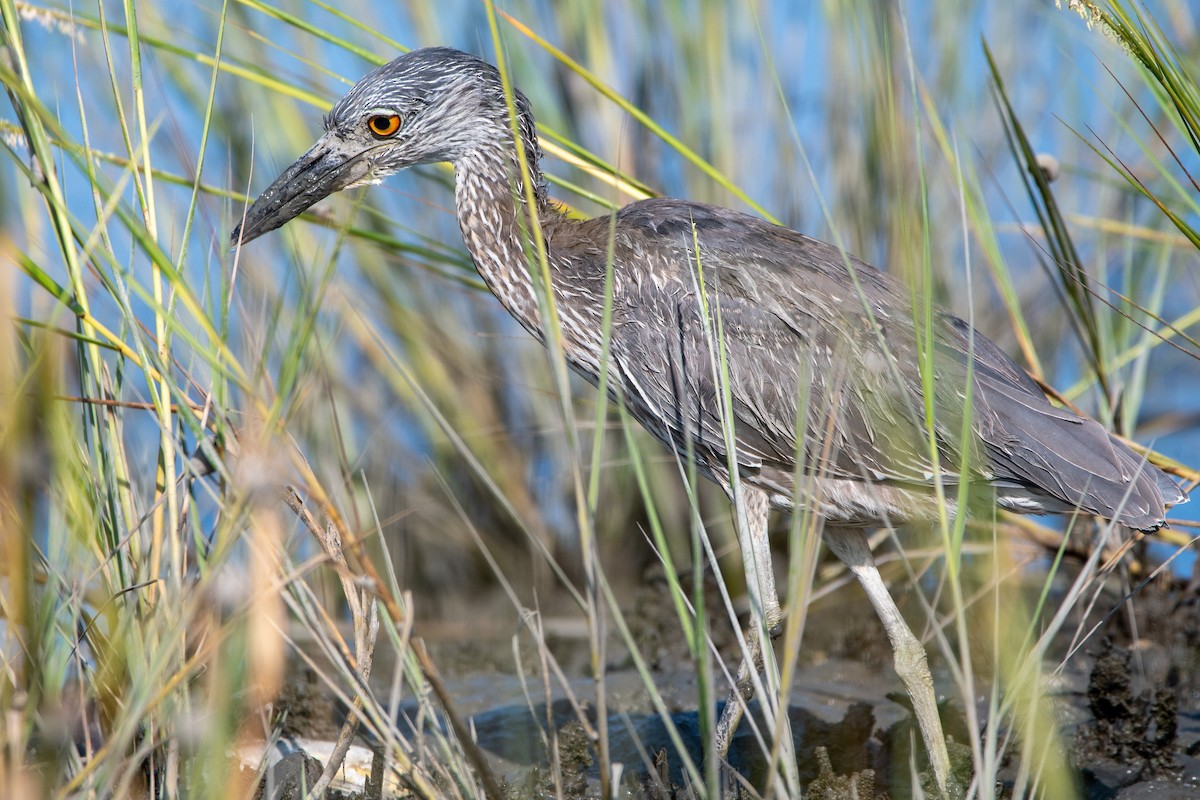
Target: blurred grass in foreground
(160, 396)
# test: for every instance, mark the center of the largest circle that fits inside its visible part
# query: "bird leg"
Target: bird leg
(850, 545)
(752, 509)
(740, 694)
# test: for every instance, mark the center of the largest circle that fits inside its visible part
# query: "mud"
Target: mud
(1128, 703)
(1132, 741)
(305, 708)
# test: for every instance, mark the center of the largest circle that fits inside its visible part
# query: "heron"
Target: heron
(793, 373)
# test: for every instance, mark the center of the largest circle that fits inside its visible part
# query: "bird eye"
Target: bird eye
(384, 124)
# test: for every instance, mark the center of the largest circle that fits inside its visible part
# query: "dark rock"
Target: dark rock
(290, 778)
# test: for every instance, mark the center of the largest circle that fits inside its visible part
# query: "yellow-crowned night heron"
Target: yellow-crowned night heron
(826, 407)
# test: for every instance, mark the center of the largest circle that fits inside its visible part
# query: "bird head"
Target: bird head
(427, 106)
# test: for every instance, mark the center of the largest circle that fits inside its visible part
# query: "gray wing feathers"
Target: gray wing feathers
(805, 354)
(1034, 445)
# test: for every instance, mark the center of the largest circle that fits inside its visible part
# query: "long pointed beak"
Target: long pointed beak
(328, 167)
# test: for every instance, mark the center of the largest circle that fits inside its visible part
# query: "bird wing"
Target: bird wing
(809, 375)
(824, 369)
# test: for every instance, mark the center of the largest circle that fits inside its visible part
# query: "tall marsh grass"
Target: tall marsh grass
(333, 449)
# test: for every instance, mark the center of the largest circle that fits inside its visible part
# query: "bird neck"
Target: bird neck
(494, 215)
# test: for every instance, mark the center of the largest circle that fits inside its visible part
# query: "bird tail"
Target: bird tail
(1091, 471)
(1063, 462)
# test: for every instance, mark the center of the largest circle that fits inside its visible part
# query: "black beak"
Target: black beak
(328, 167)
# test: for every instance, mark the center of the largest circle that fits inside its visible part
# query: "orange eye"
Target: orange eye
(384, 124)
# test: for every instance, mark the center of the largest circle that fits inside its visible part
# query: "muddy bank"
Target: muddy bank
(1128, 703)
